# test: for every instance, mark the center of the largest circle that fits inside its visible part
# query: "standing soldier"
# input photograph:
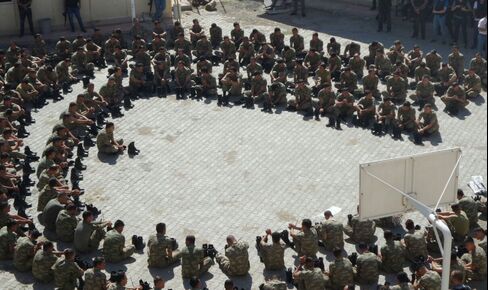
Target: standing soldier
(367, 267)
(295, 10)
(306, 240)
(331, 232)
(25, 249)
(193, 261)
(162, 250)
(66, 223)
(235, 261)
(384, 15)
(303, 99)
(406, 117)
(455, 99)
(114, 248)
(66, 271)
(392, 254)
(341, 271)
(94, 277)
(272, 255)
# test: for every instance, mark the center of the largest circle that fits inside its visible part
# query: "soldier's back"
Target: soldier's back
(41, 266)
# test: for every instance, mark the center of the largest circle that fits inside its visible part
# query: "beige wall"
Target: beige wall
(92, 11)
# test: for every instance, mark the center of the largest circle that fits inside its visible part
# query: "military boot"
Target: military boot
(79, 165)
(331, 123)
(338, 124)
(132, 150)
(81, 151)
(285, 238)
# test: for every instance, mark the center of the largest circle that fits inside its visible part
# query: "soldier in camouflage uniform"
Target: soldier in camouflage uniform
(373, 48)
(335, 65)
(370, 84)
(386, 113)
(396, 88)
(246, 51)
(426, 279)
(208, 85)
(357, 64)
(203, 48)
(162, 78)
(480, 235)
(344, 105)
(88, 233)
(474, 261)
(469, 206)
(392, 254)
(66, 271)
(114, 248)
(478, 63)
(367, 267)
(66, 223)
(455, 265)
(406, 117)
(421, 71)
(415, 243)
(289, 56)
(424, 93)
(300, 72)
(348, 80)
(325, 106)
(271, 284)
(306, 239)
(277, 95)
(341, 271)
(446, 77)
(312, 60)
(106, 142)
(308, 277)
(25, 249)
(235, 260)
(94, 278)
(252, 68)
(279, 72)
(162, 250)
(303, 99)
(258, 92)
(80, 64)
(181, 43)
(360, 231)
(322, 78)
(215, 35)
(297, 43)
(366, 110)
(456, 61)
(231, 86)
(183, 82)
(8, 239)
(272, 255)
(228, 49)
(455, 99)
(433, 61)
(277, 40)
(383, 65)
(193, 261)
(403, 282)
(331, 233)
(43, 261)
(472, 84)
(62, 70)
(414, 57)
(427, 122)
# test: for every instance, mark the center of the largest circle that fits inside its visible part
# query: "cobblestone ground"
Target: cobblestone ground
(212, 171)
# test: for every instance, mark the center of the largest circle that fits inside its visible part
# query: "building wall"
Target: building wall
(323, 4)
(94, 12)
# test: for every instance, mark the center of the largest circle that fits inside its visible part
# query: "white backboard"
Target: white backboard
(422, 176)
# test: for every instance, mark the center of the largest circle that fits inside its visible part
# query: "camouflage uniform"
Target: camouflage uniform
(300, 73)
(297, 43)
(420, 72)
(47, 194)
(349, 80)
(193, 263)
(203, 49)
(306, 243)
(383, 65)
(372, 50)
(24, 253)
(303, 99)
(424, 93)
(430, 281)
(7, 242)
(456, 61)
(88, 236)
(472, 85)
(183, 44)
(345, 110)
(398, 88)
(479, 67)
(235, 262)
(258, 90)
(406, 118)
(433, 62)
(289, 57)
(274, 284)
(368, 269)
(311, 279)
(80, 63)
(393, 257)
(228, 50)
(277, 94)
(357, 66)
(459, 102)
(95, 279)
(387, 111)
(254, 68)
(215, 35)
(231, 84)
(331, 234)
(41, 266)
(370, 84)
(104, 143)
(50, 213)
(402, 286)
(429, 118)
(114, 248)
(341, 273)
(478, 259)
(158, 247)
(415, 245)
(65, 226)
(272, 256)
(313, 60)
(208, 86)
(360, 231)
(470, 207)
(66, 274)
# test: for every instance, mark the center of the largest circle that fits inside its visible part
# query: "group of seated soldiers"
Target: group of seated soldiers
(317, 82)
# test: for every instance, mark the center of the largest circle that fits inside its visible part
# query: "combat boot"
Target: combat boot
(331, 123)
(28, 152)
(377, 129)
(93, 130)
(317, 114)
(79, 165)
(285, 238)
(128, 103)
(86, 81)
(338, 124)
(355, 121)
(397, 133)
(22, 132)
(132, 150)
(75, 175)
(80, 151)
(417, 138)
(100, 119)
(88, 142)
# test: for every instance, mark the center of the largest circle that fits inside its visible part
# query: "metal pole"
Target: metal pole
(133, 9)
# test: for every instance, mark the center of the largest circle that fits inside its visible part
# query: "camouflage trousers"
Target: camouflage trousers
(95, 239)
(164, 262)
(207, 263)
(127, 252)
(110, 149)
(229, 269)
(360, 237)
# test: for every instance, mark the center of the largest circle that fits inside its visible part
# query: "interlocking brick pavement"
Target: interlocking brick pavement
(213, 171)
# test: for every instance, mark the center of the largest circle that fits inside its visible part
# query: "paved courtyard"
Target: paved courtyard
(213, 171)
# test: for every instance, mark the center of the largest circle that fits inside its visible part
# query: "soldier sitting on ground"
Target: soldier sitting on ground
(8, 239)
(474, 261)
(305, 241)
(88, 233)
(25, 249)
(307, 276)
(392, 254)
(66, 271)
(94, 278)
(106, 142)
(330, 232)
(43, 261)
(193, 261)
(360, 231)
(114, 247)
(368, 266)
(235, 260)
(272, 255)
(415, 243)
(162, 250)
(341, 271)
